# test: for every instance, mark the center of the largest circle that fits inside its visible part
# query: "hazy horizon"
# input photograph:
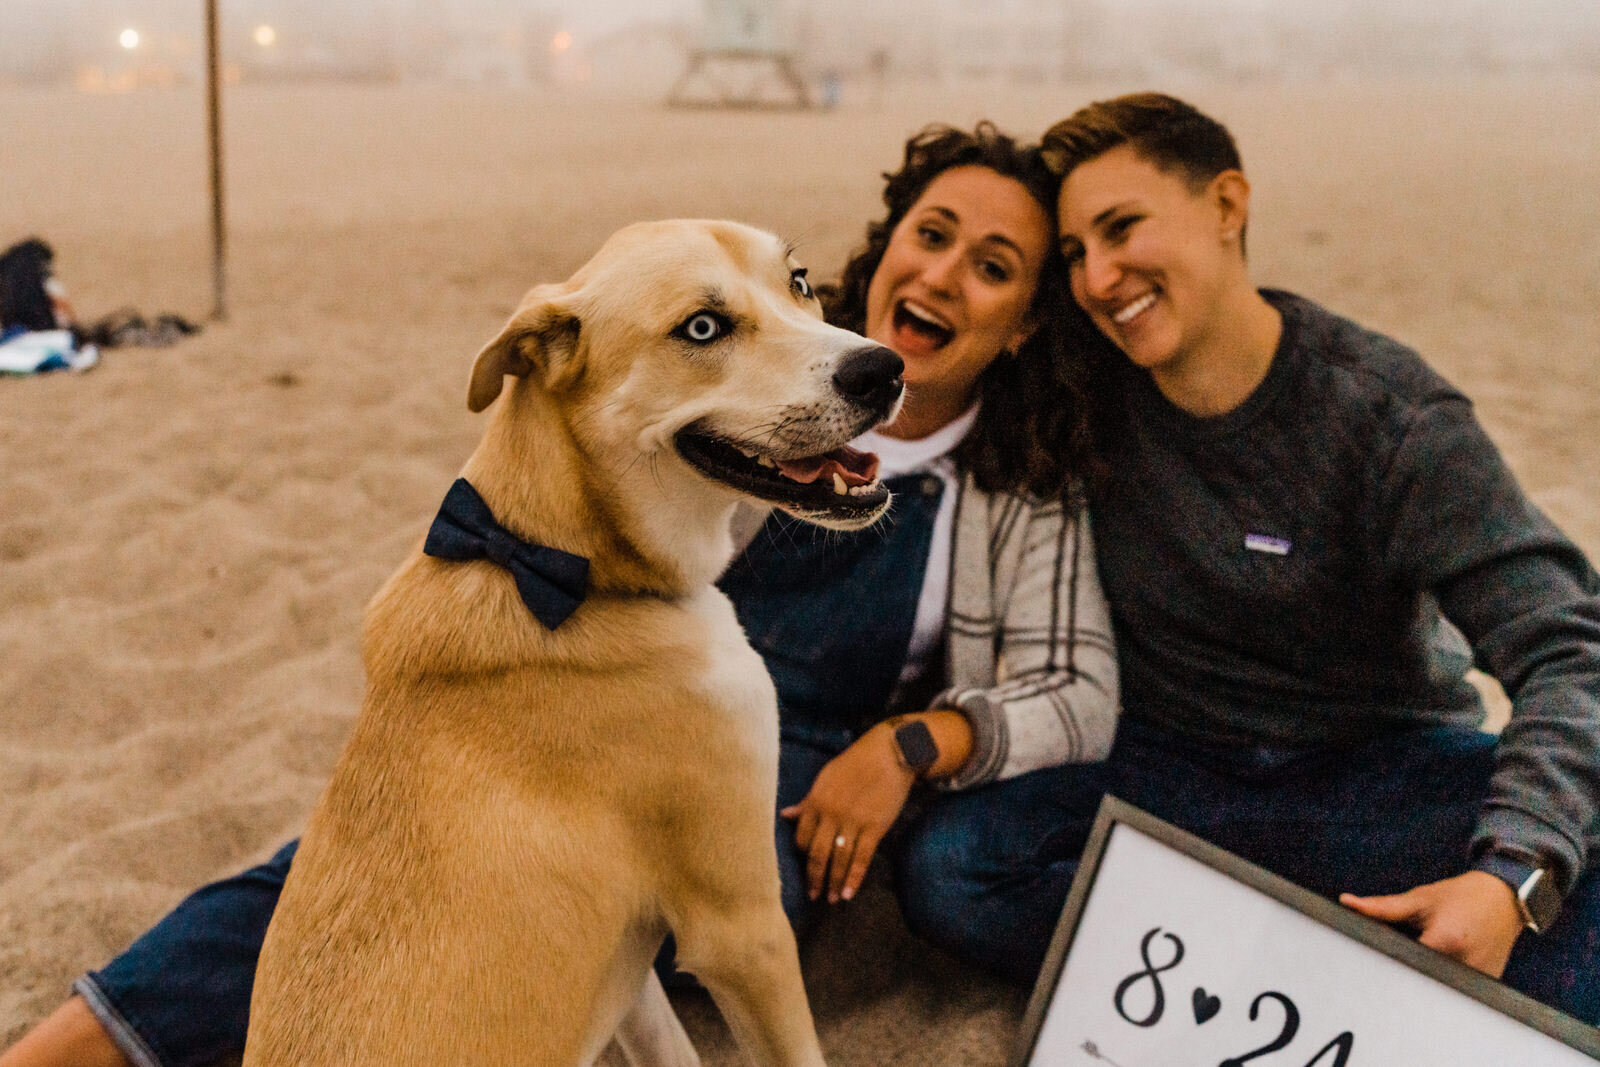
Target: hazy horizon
(534, 41)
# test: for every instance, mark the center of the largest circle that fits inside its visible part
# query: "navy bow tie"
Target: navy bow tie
(552, 582)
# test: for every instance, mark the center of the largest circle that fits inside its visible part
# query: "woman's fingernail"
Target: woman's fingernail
(849, 894)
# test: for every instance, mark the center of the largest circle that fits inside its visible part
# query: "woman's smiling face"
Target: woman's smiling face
(956, 282)
(1150, 258)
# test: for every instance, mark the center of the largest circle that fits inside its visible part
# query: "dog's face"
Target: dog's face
(698, 348)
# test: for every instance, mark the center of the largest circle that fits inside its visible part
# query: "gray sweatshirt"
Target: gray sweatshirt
(1278, 575)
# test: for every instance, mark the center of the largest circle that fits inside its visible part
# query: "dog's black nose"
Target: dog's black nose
(870, 376)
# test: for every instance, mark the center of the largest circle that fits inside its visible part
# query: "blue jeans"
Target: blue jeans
(180, 995)
(984, 874)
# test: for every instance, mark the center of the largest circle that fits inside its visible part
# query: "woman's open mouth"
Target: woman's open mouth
(841, 484)
(921, 323)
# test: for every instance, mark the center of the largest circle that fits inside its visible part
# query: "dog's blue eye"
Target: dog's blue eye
(702, 327)
(801, 286)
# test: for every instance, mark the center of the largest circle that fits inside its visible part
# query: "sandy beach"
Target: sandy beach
(188, 536)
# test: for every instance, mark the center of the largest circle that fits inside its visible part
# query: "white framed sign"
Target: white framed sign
(1171, 951)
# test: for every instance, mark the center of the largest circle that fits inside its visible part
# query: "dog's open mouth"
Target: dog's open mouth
(843, 482)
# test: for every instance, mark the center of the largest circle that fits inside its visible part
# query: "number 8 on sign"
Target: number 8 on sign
(1152, 972)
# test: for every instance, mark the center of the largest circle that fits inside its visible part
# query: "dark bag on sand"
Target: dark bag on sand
(24, 302)
(127, 327)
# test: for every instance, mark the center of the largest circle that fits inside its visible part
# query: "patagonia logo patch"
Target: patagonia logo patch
(1276, 546)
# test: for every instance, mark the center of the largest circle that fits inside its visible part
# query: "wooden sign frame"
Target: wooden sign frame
(1115, 817)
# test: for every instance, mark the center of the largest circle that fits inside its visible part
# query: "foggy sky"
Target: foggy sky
(598, 16)
(1229, 36)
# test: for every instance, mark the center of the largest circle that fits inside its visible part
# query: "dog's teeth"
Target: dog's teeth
(838, 484)
(747, 453)
(766, 461)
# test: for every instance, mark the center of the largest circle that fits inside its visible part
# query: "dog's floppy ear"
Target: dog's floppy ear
(541, 338)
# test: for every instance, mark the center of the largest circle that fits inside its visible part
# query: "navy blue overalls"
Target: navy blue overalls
(831, 613)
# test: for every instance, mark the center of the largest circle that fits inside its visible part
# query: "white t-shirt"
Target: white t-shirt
(929, 454)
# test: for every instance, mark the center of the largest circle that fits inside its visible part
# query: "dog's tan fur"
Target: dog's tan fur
(520, 814)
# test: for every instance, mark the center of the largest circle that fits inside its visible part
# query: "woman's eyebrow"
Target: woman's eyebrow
(1002, 239)
(993, 238)
(1105, 216)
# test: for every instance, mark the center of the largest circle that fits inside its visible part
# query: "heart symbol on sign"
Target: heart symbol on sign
(1206, 1006)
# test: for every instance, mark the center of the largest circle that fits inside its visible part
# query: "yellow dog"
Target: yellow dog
(523, 812)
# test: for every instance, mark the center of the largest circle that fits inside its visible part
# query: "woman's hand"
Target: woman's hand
(855, 799)
(1472, 917)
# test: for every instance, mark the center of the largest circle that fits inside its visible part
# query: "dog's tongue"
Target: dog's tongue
(856, 468)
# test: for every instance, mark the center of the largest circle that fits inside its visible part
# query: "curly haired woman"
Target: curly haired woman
(962, 644)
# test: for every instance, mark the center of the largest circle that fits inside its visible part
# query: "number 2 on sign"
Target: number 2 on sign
(1207, 1006)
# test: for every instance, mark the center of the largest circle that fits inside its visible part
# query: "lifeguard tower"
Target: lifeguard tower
(745, 60)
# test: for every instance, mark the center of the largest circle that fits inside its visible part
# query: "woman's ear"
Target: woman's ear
(1230, 192)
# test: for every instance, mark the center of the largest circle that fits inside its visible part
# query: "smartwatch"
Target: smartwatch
(914, 743)
(1538, 899)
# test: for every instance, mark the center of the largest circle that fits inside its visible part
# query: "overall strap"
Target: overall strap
(831, 612)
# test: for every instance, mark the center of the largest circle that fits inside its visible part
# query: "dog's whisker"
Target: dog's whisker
(632, 463)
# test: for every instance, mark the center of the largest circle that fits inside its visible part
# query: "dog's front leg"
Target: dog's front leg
(651, 1035)
(746, 957)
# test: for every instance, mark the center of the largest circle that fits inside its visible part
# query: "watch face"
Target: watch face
(1541, 900)
(917, 746)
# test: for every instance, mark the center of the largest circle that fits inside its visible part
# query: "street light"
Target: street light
(265, 36)
(129, 39)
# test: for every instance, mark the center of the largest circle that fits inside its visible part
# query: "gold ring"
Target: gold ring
(840, 841)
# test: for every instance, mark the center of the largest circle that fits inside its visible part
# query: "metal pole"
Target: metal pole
(214, 128)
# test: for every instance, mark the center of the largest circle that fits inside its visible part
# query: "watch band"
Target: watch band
(914, 743)
(1538, 899)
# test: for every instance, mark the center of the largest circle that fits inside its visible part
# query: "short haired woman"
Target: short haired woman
(1302, 522)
